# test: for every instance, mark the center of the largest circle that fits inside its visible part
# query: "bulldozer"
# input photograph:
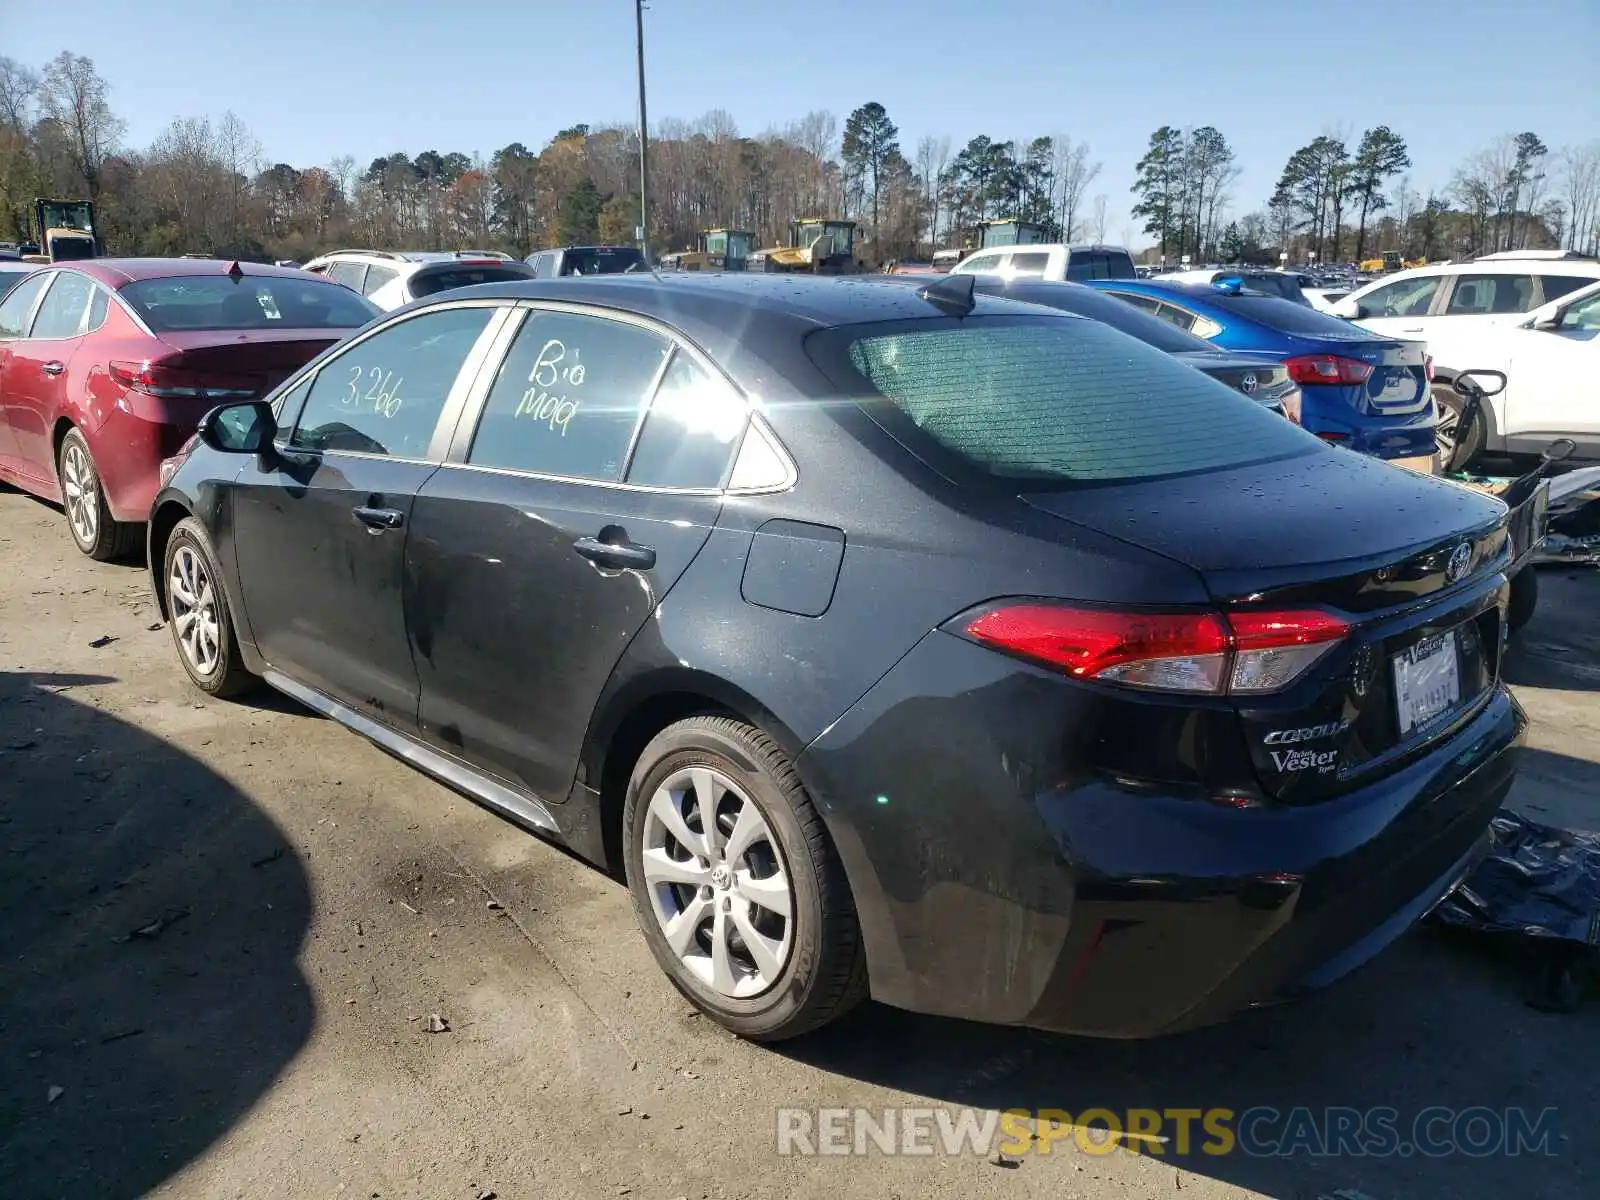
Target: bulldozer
(718, 250)
(1390, 261)
(1010, 232)
(66, 231)
(819, 245)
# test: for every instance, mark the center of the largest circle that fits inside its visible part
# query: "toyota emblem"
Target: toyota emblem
(1460, 563)
(1247, 384)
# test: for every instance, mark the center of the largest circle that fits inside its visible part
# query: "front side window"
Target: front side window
(1583, 315)
(61, 314)
(1053, 401)
(1489, 295)
(689, 434)
(384, 394)
(1402, 298)
(567, 398)
(14, 309)
(217, 302)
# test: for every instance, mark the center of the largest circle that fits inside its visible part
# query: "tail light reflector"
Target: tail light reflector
(1309, 369)
(175, 383)
(1203, 653)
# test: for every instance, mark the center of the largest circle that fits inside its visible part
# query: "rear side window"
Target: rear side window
(61, 314)
(1029, 264)
(1487, 295)
(1100, 264)
(377, 277)
(426, 283)
(1555, 286)
(693, 425)
(348, 273)
(98, 303)
(982, 264)
(567, 397)
(1056, 401)
(215, 302)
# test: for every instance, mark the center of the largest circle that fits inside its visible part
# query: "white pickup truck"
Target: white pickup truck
(1049, 260)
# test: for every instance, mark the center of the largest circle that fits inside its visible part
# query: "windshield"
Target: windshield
(601, 260)
(426, 283)
(1052, 400)
(67, 214)
(183, 302)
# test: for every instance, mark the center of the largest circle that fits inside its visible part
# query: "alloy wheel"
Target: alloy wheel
(81, 489)
(193, 601)
(717, 882)
(1446, 434)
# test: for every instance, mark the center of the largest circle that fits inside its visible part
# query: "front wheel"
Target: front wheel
(1456, 446)
(736, 884)
(199, 617)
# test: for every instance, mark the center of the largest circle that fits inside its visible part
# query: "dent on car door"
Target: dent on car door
(566, 514)
(319, 527)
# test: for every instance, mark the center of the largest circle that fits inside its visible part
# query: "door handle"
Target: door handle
(620, 555)
(1411, 329)
(379, 519)
(54, 368)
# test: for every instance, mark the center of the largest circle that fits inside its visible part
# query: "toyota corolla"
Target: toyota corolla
(863, 633)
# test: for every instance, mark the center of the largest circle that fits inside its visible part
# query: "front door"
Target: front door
(321, 526)
(42, 369)
(1550, 390)
(541, 552)
(1400, 307)
(18, 375)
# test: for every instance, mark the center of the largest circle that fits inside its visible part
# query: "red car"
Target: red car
(107, 364)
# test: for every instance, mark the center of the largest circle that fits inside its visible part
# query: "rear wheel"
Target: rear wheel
(1456, 446)
(736, 883)
(89, 519)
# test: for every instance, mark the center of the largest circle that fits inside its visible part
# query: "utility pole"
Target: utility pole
(644, 142)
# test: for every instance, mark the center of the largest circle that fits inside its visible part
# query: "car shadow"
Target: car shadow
(1560, 647)
(1439, 1019)
(150, 922)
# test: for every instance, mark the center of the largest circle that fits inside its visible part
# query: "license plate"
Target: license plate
(1427, 680)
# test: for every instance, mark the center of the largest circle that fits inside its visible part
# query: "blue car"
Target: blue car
(1359, 390)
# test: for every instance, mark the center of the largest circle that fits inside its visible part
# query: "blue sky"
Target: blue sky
(317, 78)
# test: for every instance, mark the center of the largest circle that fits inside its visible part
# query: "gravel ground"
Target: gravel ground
(225, 930)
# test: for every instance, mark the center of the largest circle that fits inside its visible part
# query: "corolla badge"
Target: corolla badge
(1247, 384)
(1460, 563)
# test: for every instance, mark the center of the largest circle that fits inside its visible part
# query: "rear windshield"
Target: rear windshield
(1285, 286)
(1057, 400)
(1285, 315)
(1099, 306)
(426, 283)
(1100, 264)
(182, 302)
(608, 260)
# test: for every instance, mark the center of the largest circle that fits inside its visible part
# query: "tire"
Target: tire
(1524, 598)
(1456, 449)
(207, 648)
(94, 530)
(812, 968)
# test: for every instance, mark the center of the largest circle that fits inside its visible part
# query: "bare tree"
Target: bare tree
(1073, 174)
(933, 156)
(18, 88)
(1580, 191)
(1097, 221)
(240, 156)
(73, 95)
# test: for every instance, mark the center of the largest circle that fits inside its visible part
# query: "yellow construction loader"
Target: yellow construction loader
(718, 250)
(817, 245)
(66, 231)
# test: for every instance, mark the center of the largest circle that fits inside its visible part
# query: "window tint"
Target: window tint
(1480, 295)
(1099, 264)
(98, 304)
(1287, 316)
(567, 398)
(602, 260)
(182, 302)
(1029, 264)
(15, 307)
(693, 424)
(1556, 286)
(1402, 298)
(61, 314)
(377, 277)
(348, 273)
(1056, 400)
(1584, 314)
(1174, 315)
(426, 283)
(384, 395)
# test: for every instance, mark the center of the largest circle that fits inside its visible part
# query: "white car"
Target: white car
(1455, 299)
(1550, 358)
(390, 279)
(1049, 260)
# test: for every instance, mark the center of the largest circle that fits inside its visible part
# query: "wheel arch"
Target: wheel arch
(163, 521)
(58, 434)
(1493, 438)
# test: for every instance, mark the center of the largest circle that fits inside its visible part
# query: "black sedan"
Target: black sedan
(859, 629)
(1264, 380)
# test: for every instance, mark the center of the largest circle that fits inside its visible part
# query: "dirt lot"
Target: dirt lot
(223, 930)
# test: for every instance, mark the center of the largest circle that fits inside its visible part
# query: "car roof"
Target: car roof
(114, 272)
(705, 305)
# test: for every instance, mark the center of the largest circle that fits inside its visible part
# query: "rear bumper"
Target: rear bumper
(1330, 412)
(1000, 878)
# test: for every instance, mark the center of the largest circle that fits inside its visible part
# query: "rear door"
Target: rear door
(320, 529)
(1479, 300)
(563, 517)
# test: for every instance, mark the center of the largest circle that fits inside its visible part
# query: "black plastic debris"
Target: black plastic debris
(1541, 884)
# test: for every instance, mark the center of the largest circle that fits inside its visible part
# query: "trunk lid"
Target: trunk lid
(1414, 564)
(1262, 380)
(1398, 385)
(264, 357)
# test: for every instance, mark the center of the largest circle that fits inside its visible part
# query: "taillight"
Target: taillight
(1427, 367)
(1291, 405)
(1327, 369)
(1197, 652)
(175, 383)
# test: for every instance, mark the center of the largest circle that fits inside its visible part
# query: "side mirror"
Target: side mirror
(245, 428)
(1546, 321)
(1559, 449)
(1348, 309)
